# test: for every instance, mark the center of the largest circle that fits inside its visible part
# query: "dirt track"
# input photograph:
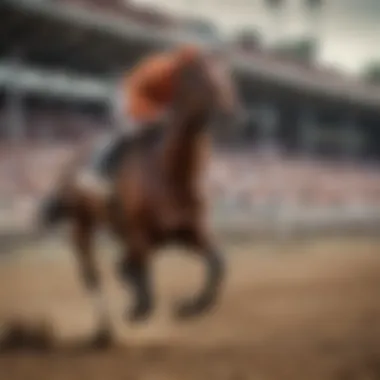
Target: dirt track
(297, 312)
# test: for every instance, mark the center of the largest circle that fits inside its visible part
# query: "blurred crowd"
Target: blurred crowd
(239, 183)
(241, 180)
(248, 179)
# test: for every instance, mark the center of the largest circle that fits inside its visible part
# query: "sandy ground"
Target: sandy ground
(297, 311)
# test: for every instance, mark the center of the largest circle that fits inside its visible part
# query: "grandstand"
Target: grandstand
(59, 64)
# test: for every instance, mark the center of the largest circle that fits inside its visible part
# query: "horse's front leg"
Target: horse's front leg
(214, 262)
(135, 272)
(83, 239)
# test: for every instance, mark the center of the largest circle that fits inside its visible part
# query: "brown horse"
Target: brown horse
(156, 195)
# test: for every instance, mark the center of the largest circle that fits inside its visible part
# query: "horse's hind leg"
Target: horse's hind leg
(135, 272)
(215, 270)
(82, 236)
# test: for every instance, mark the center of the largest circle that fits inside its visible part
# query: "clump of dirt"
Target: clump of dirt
(21, 335)
(31, 335)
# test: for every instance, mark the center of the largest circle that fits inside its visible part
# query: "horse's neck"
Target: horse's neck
(184, 149)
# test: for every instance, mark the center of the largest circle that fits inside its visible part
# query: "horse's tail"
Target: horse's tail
(53, 211)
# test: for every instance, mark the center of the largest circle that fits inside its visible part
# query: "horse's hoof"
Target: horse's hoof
(140, 313)
(102, 339)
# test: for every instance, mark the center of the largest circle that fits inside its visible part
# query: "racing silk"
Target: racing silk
(149, 89)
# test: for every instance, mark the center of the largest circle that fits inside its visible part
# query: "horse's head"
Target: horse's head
(207, 85)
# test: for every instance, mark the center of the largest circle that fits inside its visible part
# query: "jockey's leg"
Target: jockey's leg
(107, 157)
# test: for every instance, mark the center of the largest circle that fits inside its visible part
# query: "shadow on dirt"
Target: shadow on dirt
(19, 336)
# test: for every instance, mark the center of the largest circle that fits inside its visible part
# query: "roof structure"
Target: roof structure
(109, 42)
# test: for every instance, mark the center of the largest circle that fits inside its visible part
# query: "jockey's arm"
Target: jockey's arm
(146, 77)
(145, 89)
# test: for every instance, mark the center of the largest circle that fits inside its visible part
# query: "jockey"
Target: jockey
(147, 95)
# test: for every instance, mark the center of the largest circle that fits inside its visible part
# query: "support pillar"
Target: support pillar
(307, 132)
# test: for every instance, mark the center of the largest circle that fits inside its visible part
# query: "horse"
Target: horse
(156, 196)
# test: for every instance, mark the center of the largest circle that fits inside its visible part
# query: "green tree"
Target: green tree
(314, 13)
(276, 8)
(248, 39)
(274, 3)
(303, 50)
(203, 28)
(371, 73)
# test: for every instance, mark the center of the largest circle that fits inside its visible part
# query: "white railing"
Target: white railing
(59, 83)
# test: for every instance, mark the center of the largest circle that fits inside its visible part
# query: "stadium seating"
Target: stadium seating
(247, 180)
